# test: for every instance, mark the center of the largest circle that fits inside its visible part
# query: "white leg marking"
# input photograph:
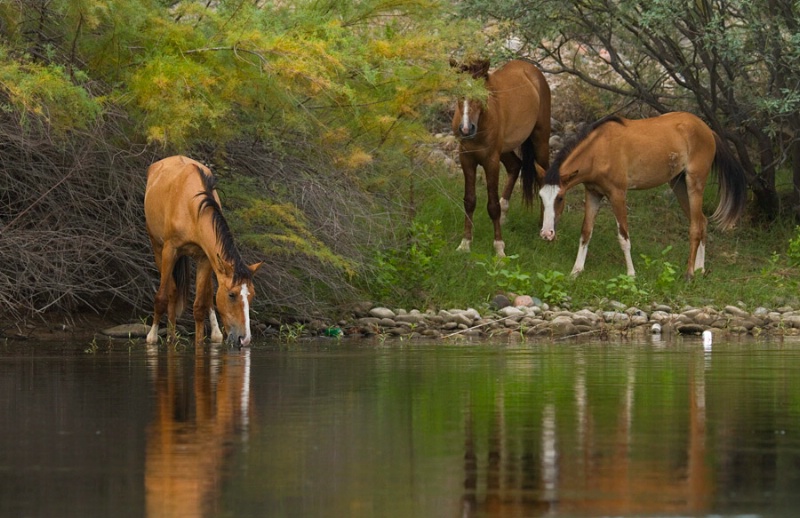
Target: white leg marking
(580, 260)
(499, 248)
(216, 333)
(548, 193)
(625, 244)
(246, 309)
(152, 336)
(700, 258)
(503, 210)
(464, 246)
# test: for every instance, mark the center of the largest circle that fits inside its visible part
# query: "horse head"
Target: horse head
(468, 111)
(552, 196)
(234, 296)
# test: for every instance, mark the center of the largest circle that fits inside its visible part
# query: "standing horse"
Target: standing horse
(516, 114)
(616, 154)
(184, 219)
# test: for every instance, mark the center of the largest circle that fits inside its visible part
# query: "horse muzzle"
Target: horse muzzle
(548, 235)
(235, 339)
(467, 132)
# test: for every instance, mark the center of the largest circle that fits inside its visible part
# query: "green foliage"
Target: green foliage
(793, 251)
(45, 94)
(622, 288)
(504, 275)
(666, 272)
(552, 282)
(404, 272)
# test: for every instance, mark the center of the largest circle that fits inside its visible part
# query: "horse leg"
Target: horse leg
(692, 205)
(492, 170)
(202, 299)
(697, 225)
(621, 214)
(591, 206)
(468, 166)
(166, 294)
(513, 164)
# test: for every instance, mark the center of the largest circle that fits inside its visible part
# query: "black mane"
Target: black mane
(241, 272)
(553, 176)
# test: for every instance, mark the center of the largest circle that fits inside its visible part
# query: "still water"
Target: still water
(401, 429)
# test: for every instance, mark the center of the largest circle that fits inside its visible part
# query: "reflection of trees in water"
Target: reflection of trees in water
(199, 412)
(570, 467)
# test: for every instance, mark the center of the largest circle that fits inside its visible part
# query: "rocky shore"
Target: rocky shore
(522, 317)
(539, 320)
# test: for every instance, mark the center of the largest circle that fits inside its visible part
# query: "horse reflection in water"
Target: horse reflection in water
(579, 472)
(198, 415)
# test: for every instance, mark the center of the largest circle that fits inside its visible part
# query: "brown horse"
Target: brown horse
(616, 154)
(515, 115)
(184, 219)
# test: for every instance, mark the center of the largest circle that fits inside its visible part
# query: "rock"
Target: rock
(500, 302)
(382, 313)
(736, 311)
(691, 329)
(511, 311)
(523, 301)
(130, 331)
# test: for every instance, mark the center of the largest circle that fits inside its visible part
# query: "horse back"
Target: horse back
(519, 102)
(171, 203)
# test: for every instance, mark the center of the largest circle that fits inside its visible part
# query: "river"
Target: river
(401, 429)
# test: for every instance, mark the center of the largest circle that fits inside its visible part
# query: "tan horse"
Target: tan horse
(616, 154)
(516, 115)
(184, 219)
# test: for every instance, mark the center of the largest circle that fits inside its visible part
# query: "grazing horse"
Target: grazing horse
(184, 219)
(616, 154)
(515, 115)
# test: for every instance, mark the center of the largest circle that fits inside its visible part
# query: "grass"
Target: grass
(750, 265)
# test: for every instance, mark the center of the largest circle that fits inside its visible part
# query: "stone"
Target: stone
(130, 331)
(511, 311)
(736, 311)
(523, 301)
(500, 302)
(691, 329)
(382, 313)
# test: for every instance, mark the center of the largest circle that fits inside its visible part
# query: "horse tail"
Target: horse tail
(732, 186)
(530, 180)
(180, 274)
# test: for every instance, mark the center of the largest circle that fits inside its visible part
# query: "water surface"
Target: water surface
(401, 429)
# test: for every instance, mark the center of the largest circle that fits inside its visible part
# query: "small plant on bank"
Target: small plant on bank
(793, 250)
(623, 288)
(402, 272)
(291, 332)
(552, 282)
(666, 272)
(507, 277)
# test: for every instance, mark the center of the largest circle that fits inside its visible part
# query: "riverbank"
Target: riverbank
(536, 320)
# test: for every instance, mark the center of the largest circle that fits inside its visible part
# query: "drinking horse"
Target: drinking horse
(515, 115)
(616, 154)
(184, 219)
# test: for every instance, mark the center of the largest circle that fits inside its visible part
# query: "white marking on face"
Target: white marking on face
(549, 193)
(465, 118)
(246, 309)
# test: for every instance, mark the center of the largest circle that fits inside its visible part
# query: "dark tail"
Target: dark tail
(732, 187)
(530, 180)
(180, 273)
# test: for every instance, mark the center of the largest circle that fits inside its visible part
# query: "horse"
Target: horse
(515, 115)
(184, 220)
(616, 154)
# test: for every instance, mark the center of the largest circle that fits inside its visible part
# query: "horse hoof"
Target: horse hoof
(464, 246)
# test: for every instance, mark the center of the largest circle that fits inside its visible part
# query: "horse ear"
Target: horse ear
(255, 266)
(480, 69)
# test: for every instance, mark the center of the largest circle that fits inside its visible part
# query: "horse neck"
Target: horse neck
(219, 249)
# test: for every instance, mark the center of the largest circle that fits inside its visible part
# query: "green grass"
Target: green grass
(740, 264)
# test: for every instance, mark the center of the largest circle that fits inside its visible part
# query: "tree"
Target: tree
(734, 62)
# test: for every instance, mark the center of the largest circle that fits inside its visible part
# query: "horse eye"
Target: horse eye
(232, 296)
